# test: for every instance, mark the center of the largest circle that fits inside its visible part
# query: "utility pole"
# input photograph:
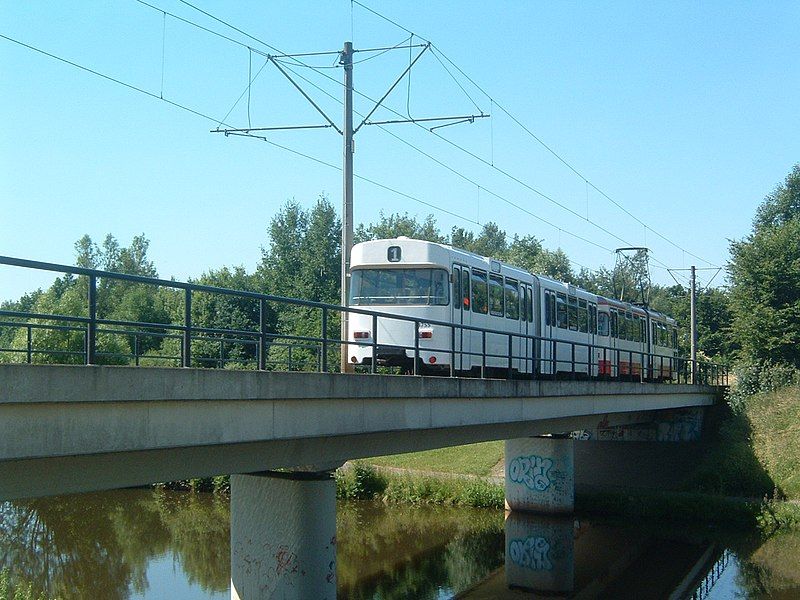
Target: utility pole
(347, 133)
(693, 324)
(347, 197)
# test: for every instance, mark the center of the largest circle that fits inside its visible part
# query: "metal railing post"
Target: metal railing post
(323, 362)
(510, 356)
(416, 347)
(30, 345)
(453, 350)
(483, 354)
(187, 328)
(289, 365)
(262, 337)
(572, 358)
(91, 326)
(136, 350)
(373, 368)
(554, 358)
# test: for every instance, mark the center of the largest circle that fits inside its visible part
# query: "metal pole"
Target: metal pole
(187, 328)
(347, 199)
(693, 325)
(91, 326)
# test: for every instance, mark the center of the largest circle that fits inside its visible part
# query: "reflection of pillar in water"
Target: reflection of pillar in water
(540, 553)
(540, 475)
(283, 536)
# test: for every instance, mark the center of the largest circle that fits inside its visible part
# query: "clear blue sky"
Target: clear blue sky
(685, 113)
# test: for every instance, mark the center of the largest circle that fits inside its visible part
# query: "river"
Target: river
(148, 545)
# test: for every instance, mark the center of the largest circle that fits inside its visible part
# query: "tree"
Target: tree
(396, 225)
(116, 300)
(228, 312)
(765, 279)
(303, 261)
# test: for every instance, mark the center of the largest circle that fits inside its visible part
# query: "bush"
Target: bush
(756, 377)
(360, 482)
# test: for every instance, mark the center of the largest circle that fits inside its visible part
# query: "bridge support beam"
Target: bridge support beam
(540, 475)
(283, 536)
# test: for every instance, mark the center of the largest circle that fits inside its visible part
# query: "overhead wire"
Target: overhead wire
(299, 63)
(458, 173)
(437, 51)
(461, 148)
(214, 120)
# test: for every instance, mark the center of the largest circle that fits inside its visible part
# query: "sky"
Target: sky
(684, 113)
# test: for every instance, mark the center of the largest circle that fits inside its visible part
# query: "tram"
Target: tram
(457, 307)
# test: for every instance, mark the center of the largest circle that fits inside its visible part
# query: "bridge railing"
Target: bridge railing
(188, 336)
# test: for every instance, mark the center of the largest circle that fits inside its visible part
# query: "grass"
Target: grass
(775, 435)
(364, 482)
(474, 459)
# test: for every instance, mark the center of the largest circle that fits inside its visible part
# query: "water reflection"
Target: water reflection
(414, 552)
(101, 545)
(142, 544)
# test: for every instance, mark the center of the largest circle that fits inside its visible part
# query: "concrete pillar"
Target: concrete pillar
(540, 475)
(540, 553)
(283, 536)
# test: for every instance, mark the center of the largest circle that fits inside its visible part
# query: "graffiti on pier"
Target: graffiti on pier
(531, 471)
(531, 553)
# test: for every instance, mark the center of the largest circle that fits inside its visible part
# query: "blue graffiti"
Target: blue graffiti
(531, 553)
(531, 471)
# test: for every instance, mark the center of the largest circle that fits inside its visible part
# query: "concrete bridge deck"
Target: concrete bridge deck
(76, 428)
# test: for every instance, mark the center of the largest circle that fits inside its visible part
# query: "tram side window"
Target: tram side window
(465, 291)
(592, 318)
(614, 324)
(674, 337)
(572, 302)
(642, 330)
(531, 303)
(583, 316)
(512, 299)
(602, 324)
(628, 326)
(548, 302)
(525, 295)
(456, 288)
(496, 295)
(479, 292)
(561, 310)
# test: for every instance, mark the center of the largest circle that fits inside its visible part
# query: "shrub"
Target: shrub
(360, 482)
(758, 377)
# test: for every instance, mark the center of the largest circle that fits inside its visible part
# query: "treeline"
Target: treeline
(756, 316)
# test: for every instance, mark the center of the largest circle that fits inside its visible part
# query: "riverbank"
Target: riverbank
(749, 473)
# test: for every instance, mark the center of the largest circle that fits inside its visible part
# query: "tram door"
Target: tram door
(528, 366)
(548, 320)
(461, 316)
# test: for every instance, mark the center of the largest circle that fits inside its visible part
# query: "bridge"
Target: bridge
(71, 428)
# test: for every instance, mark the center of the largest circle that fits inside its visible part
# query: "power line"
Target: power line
(460, 174)
(461, 148)
(535, 137)
(300, 63)
(213, 120)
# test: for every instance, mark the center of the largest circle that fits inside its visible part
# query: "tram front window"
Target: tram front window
(399, 286)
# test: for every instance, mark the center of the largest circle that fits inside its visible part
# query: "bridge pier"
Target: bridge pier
(540, 475)
(283, 536)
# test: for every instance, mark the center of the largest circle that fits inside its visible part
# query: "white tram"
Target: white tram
(579, 333)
